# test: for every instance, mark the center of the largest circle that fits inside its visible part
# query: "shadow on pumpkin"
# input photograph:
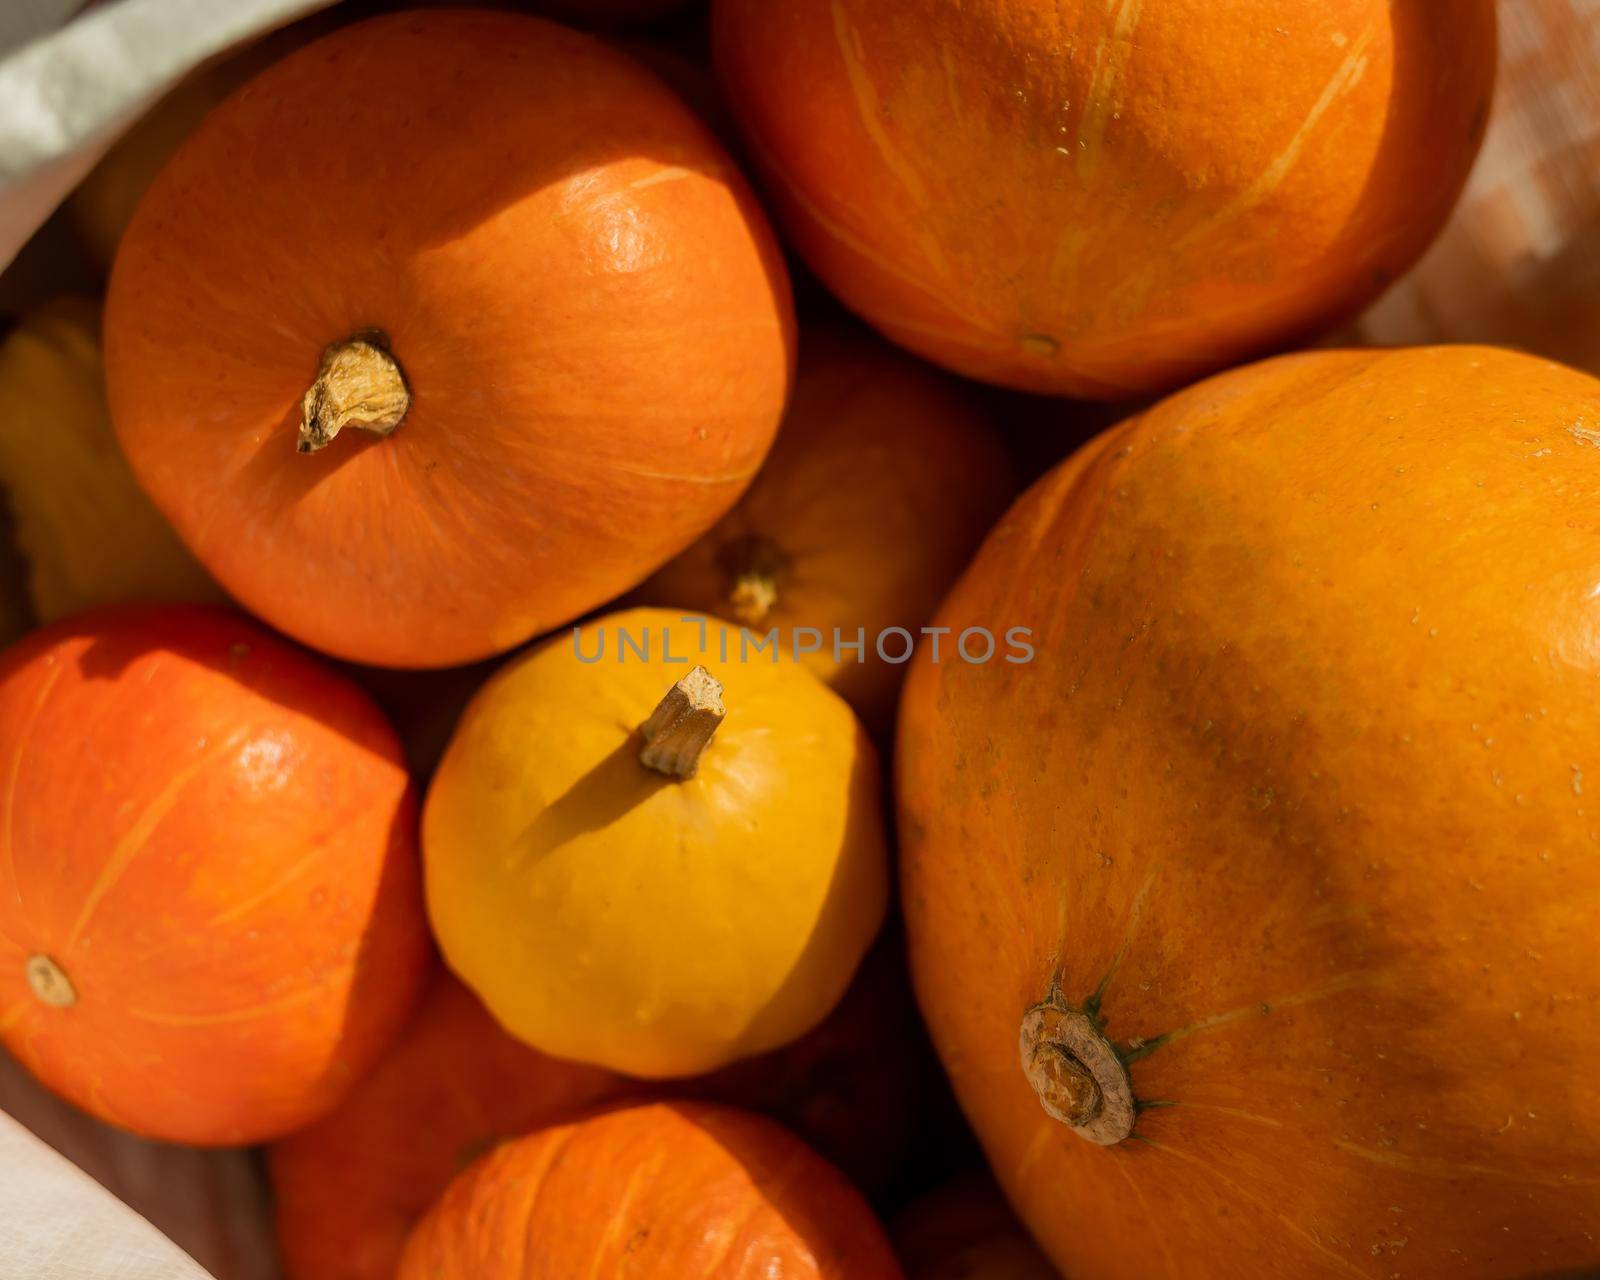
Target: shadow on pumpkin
(613, 788)
(177, 629)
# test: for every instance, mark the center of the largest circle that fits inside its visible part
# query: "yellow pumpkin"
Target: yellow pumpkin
(87, 531)
(629, 881)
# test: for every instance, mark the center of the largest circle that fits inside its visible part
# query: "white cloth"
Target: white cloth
(67, 91)
(57, 1223)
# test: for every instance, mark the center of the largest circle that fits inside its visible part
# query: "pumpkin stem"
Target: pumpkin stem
(754, 565)
(1076, 1072)
(50, 983)
(360, 384)
(682, 724)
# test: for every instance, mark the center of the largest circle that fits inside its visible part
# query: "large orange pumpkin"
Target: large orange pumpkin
(349, 1189)
(884, 480)
(210, 914)
(667, 1189)
(1254, 919)
(1107, 197)
(509, 254)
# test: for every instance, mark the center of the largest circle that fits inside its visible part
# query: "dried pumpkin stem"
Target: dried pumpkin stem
(682, 724)
(49, 982)
(755, 565)
(360, 384)
(1075, 1070)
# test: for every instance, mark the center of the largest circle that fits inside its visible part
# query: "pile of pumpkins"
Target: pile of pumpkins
(1250, 896)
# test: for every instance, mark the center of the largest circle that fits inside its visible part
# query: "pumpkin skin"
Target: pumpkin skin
(102, 205)
(965, 1230)
(548, 888)
(666, 1189)
(882, 484)
(1107, 199)
(213, 838)
(350, 1188)
(1289, 807)
(491, 175)
(89, 534)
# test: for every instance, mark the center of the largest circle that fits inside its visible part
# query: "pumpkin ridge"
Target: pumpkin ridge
(134, 840)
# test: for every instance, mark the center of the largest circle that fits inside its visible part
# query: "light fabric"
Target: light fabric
(57, 1223)
(66, 93)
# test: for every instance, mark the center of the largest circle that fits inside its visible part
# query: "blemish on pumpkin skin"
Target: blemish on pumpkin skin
(671, 173)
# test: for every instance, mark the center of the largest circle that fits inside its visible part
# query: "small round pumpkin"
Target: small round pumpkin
(1254, 918)
(349, 1188)
(882, 484)
(1104, 198)
(667, 1189)
(628, 881)
(88, 532)
(210, 918)
(965, 1230)
(509, 256)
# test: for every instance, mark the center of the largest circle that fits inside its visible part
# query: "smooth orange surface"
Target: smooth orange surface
(1107, 197)
(667, 1189)
(1301, 779)
(215, 838)
(588, 307)
(350, 1188)
(882, 484)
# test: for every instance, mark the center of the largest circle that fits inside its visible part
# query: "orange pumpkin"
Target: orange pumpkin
(102, 205)
(210, 912)
(1254, 918)
(862, 1088)
(349, 1189)
(964, 1230)
(1107, 197)
(884, 480)
(667, 1189)
(514, 259)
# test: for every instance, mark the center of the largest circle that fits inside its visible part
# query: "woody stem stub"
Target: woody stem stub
(755, 566)
(359, 384)
(682, 725)
(49, 982)
(1076, 1072)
